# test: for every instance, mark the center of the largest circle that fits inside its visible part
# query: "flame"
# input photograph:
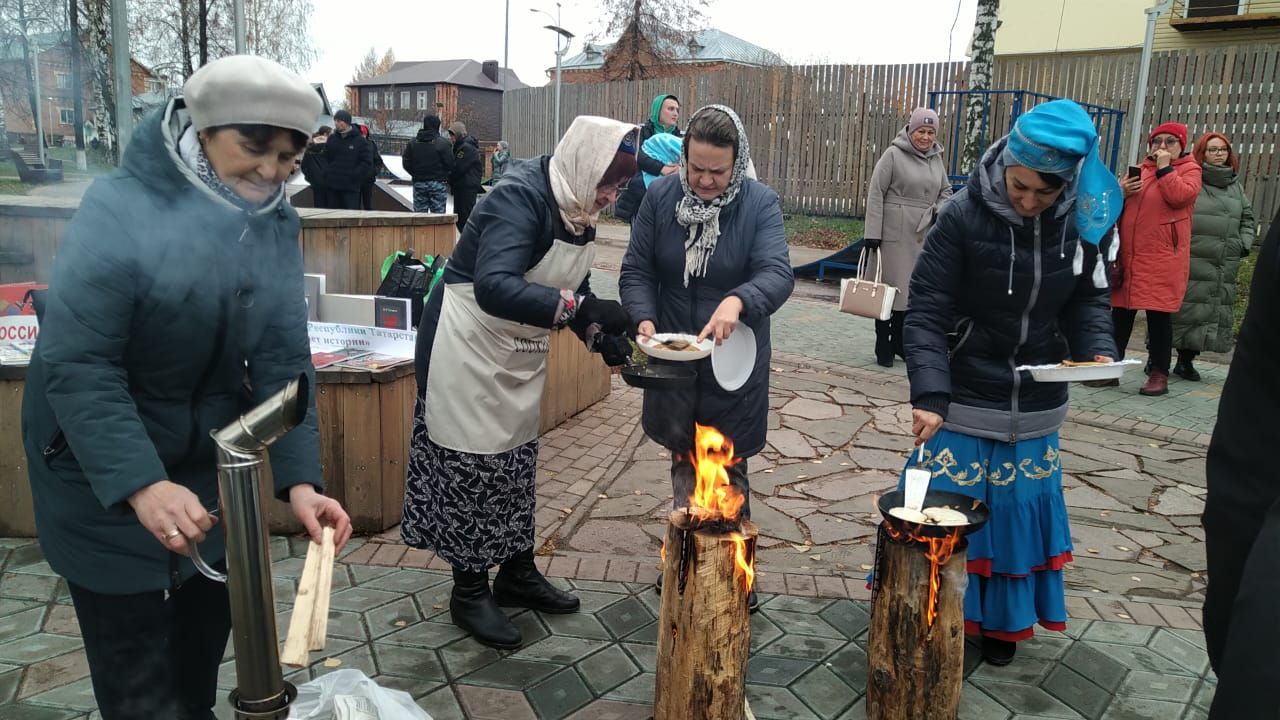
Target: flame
(938, 551)
(714, 498)
(712, 458)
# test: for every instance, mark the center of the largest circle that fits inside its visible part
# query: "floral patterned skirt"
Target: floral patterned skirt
(1015, 561)
(475, 511)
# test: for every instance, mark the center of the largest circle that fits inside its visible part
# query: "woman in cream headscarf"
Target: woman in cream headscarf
(519, 270)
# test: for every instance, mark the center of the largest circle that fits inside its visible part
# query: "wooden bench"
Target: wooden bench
(31, 170)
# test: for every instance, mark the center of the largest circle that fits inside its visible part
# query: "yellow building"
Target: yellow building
(1036, 27)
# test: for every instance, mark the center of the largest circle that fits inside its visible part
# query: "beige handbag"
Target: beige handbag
(860, 296)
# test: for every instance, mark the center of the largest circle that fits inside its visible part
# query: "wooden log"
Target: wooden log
(704, 632)
(324, 585)
(914, 670)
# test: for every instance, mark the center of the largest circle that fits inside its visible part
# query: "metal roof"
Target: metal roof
(710, 46)
(467, 73)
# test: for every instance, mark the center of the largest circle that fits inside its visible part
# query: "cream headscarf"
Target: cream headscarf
(579, 163)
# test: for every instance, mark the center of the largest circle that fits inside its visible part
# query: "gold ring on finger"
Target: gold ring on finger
(172, 534)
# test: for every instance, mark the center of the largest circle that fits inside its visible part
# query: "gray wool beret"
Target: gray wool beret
(251, 90)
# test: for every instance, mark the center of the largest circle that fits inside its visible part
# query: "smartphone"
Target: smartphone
(1135, 172)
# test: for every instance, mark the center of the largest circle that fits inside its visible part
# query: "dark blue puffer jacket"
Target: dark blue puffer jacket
(988, 295)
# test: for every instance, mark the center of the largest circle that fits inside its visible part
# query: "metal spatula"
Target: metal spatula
(917, 484)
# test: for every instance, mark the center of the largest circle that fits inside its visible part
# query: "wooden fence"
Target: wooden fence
(817, 131)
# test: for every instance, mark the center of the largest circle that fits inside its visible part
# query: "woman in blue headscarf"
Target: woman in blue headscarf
(1011, 274)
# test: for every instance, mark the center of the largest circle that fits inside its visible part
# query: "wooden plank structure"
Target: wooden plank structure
(817, 131)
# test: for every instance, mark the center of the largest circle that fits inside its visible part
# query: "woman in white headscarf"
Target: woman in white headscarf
(707, 253)
(520, 269)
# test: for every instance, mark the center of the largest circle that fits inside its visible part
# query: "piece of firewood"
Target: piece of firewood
(298, 643)
(320, 616)
(704, 633)
(915, 671)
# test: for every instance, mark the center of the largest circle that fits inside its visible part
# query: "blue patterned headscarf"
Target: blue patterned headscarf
(1059, 138)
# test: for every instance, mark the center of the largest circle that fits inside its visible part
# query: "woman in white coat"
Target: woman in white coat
(909, 182)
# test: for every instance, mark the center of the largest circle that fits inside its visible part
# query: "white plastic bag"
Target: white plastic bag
(322, 698)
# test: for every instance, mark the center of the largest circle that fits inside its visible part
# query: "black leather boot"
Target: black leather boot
(473, 609)
(519, 584)
(884, 343)
(895, 332)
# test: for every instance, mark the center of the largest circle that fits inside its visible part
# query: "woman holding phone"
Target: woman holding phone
(1155, 248)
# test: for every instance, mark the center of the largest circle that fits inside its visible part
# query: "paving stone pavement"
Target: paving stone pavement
(1134, 485)
(808, 654)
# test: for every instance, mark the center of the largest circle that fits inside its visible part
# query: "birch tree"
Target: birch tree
(97, 26)
(370, 66)
(980, 73)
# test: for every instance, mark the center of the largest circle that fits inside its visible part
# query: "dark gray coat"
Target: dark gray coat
(131, 373)
(750, 261)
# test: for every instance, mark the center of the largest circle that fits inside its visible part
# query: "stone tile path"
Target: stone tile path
(808, 655)
(1134, 484)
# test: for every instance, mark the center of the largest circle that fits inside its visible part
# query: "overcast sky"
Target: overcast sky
(801, 31)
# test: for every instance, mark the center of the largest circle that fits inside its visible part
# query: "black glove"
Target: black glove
(614, 349)
(871, 243)
(608, 314)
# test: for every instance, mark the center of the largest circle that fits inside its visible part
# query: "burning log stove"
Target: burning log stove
(704, 629)
(915, 654)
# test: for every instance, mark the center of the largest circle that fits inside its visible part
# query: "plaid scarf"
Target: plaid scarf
(702, 217)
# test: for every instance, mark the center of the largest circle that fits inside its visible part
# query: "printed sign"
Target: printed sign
(19, 328)
(327, 337)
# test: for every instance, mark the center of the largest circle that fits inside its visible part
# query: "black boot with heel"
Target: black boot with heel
(473, 609)
(519, 584)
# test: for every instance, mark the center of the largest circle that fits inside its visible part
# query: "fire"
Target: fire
(714, 498)
(938, 551)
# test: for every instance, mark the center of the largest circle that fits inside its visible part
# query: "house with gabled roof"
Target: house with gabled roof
(704, 51)
(464, 90)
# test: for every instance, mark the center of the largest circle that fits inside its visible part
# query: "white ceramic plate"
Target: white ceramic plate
(651, 347)
(1062, 373)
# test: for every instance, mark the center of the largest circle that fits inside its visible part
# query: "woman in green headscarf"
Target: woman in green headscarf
(664, 117)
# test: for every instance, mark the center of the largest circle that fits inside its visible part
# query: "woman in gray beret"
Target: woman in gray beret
(176, 303)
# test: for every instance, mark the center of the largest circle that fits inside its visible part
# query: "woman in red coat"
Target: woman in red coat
(1155, 247)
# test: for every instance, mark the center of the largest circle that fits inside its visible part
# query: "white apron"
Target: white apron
(484, 385)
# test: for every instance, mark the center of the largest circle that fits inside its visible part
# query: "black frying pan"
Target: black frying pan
(975, 511)
(660, 376)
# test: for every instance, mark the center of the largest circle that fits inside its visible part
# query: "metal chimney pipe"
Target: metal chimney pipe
(262, 692)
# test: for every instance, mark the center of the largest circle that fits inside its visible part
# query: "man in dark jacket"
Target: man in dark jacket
(366, 189)
(347, 163)
(313, 167)
(464, 181)
(429, 160)
(1242, 510)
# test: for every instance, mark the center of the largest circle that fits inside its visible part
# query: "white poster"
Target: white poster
(335, 336)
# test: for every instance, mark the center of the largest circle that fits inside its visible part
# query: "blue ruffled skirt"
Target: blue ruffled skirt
(1015, 561)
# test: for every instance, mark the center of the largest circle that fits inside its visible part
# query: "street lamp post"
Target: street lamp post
(568, 36)
(1144, 67)
(35, 62)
